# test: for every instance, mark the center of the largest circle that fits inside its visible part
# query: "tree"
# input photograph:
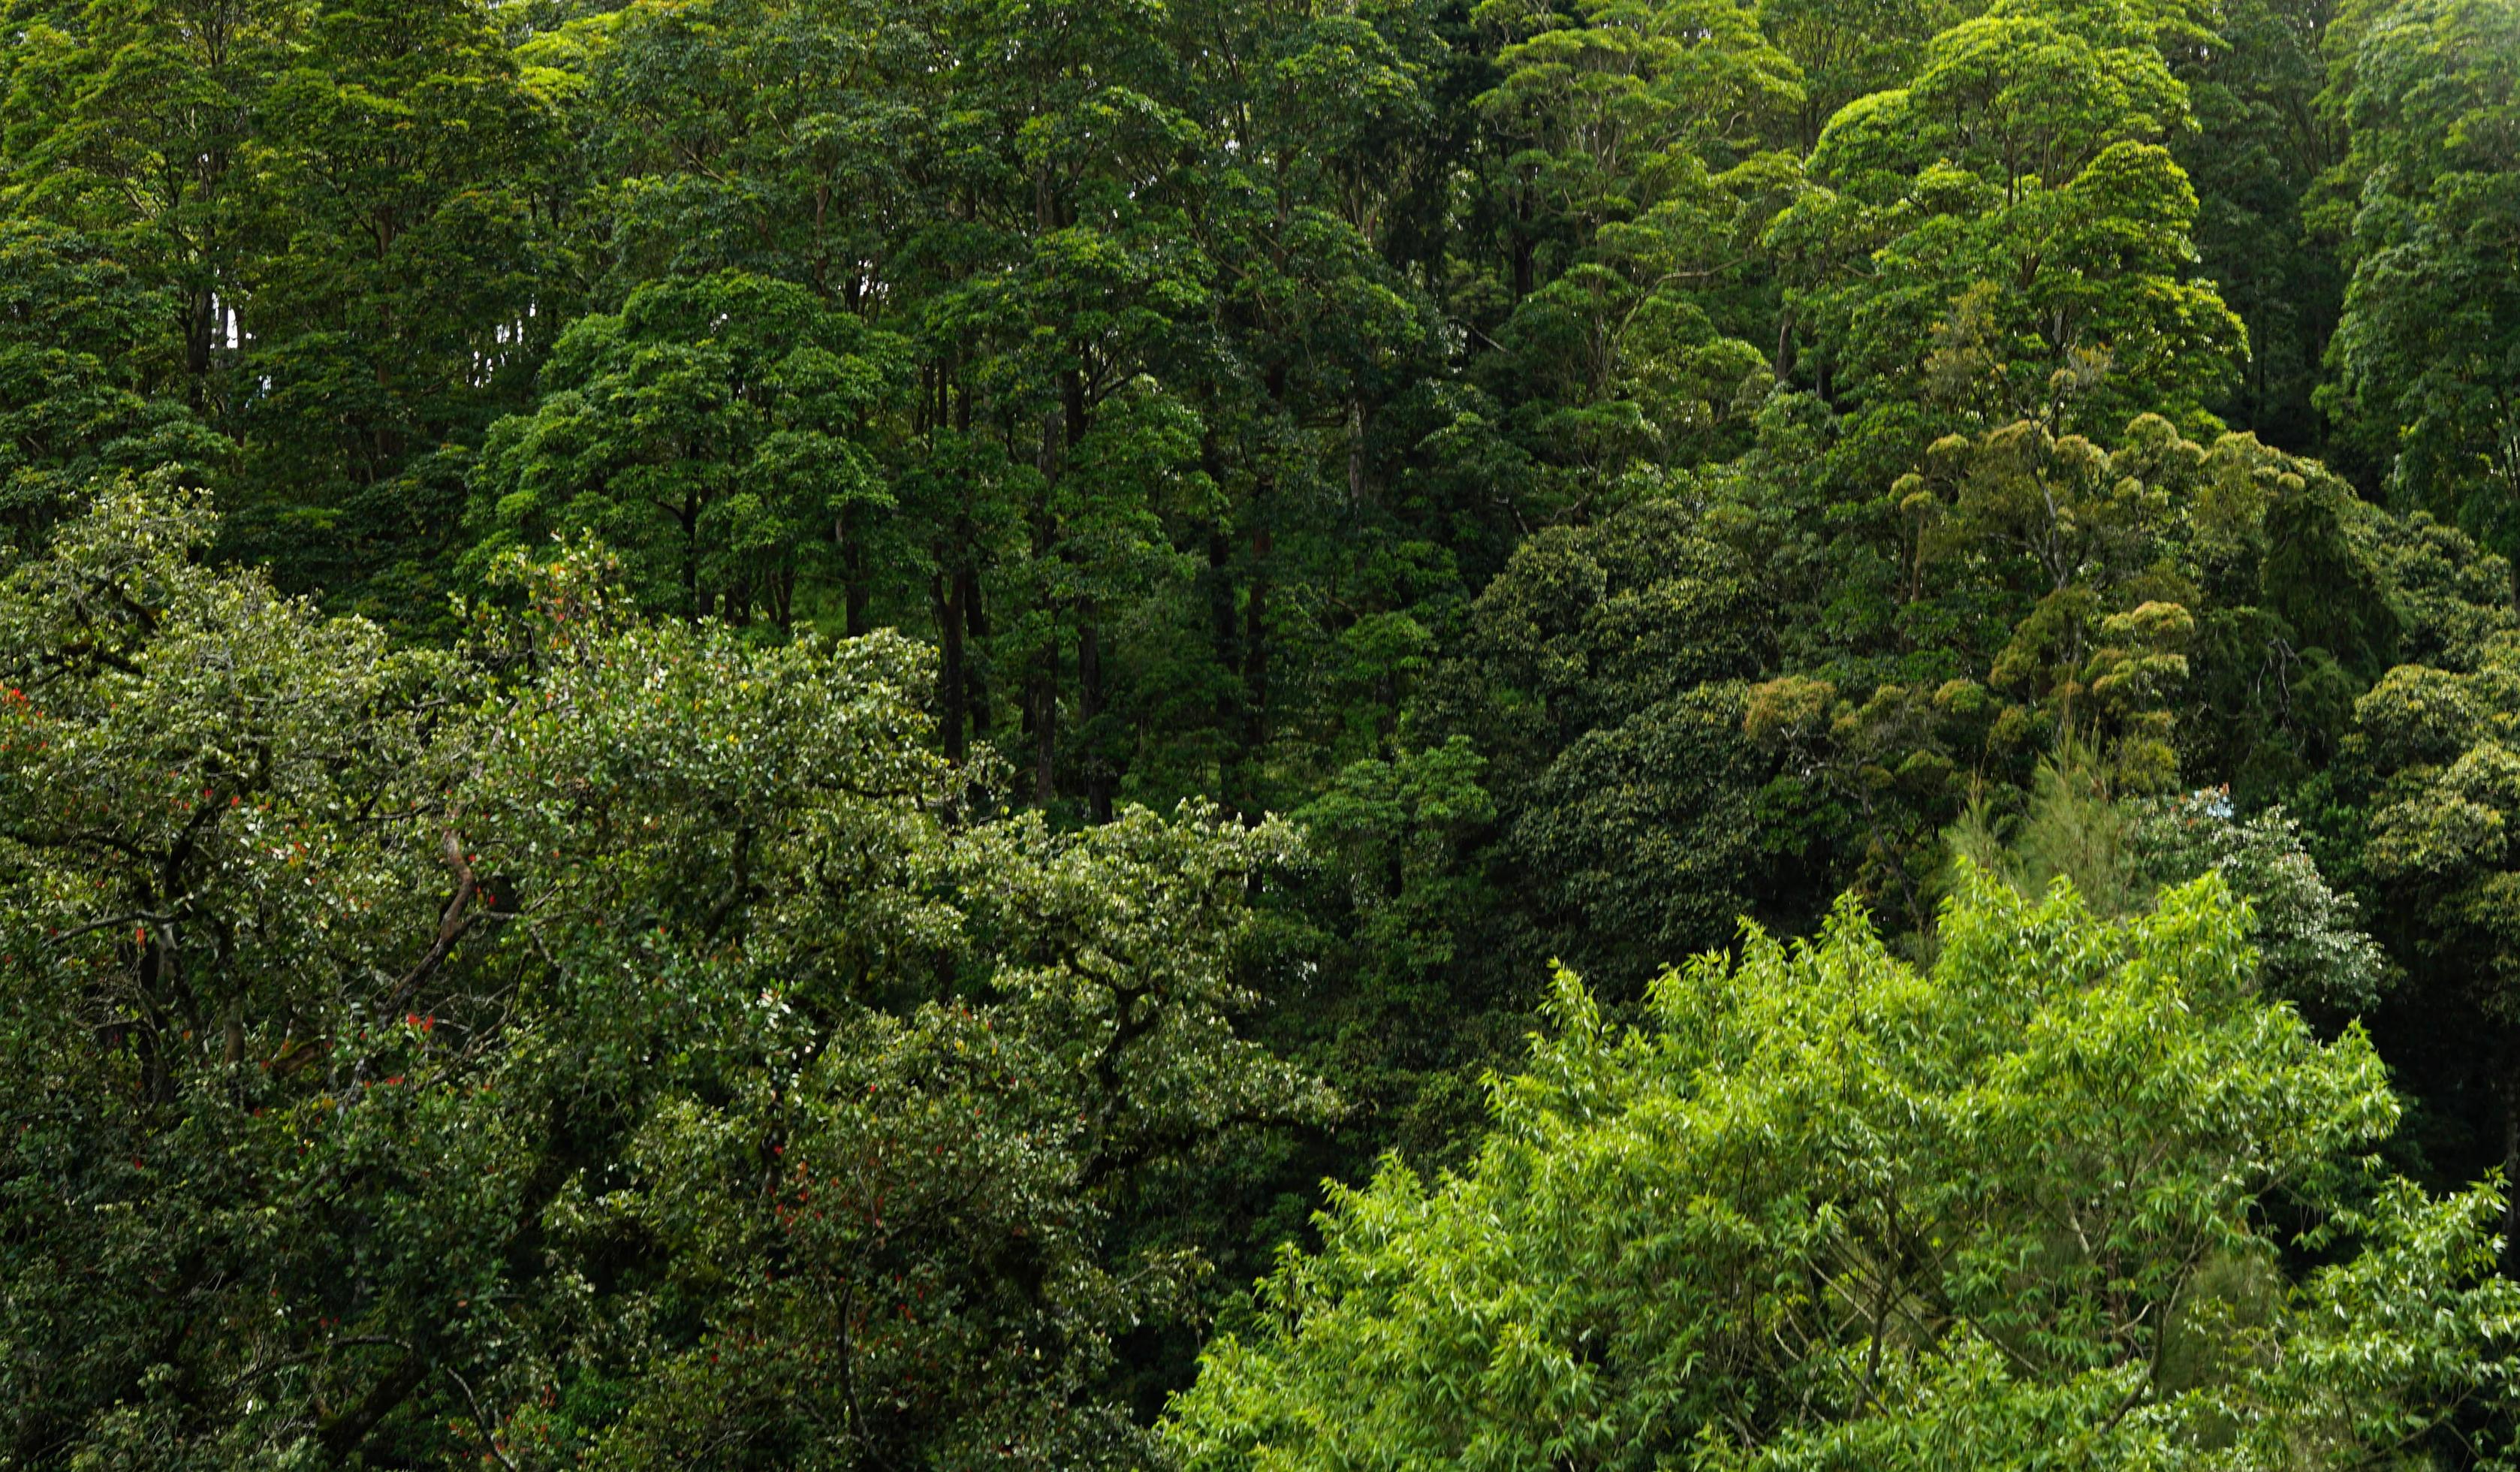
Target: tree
(2121, 855)
(133, 121)
(2015, 208)
(2428, 353)
(346, 214)
(2433, 772)
(1601, 673)
(2261, 145)
(1821, 1210)
(406, 271)
(1637, 172)
(76, 332)
(607, 1040)
(718, 432)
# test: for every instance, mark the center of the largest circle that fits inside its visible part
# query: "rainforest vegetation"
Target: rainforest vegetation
(1250, 735)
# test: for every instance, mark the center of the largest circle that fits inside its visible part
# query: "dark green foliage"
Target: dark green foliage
(2425, 355)
(2254, 73)
(624, 1057)
(788, 483)
(711, 432)
(75, 331)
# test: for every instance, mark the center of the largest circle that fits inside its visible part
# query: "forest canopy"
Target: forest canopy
(1738, 733)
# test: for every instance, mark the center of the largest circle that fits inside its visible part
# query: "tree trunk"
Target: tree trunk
(1042, 706)
(976, 627)
(1524, 263)
(1225, 642)
(948, 595)
(199, 310)
(690, 519)
(1356, 421)
(1255, 671)
(853, 573)
(1088, 681)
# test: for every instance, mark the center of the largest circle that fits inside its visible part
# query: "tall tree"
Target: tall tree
(720, 432)
(1820, 1210)
(81, 348)
(2261, 142)
(2427, 358)
(135, 121)
(2013, 211)
(631, 1058)
(402, 283)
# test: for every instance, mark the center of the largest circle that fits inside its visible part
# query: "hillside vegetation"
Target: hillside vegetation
(1740, 733)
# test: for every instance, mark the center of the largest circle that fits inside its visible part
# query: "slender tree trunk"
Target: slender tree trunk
(1225, 641)
(198, 309)
(1040, 696)
(692, 557)
(950, 695)
(1255, 668)
(1042, 706)
(1089, 682)
(1524, 272)
(1222, 645)
(1356, 424)
(975, 628)
(854, 593)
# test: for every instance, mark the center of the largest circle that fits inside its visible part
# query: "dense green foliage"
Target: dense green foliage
(599, 1017)
(2028, 1208)
(599, 600)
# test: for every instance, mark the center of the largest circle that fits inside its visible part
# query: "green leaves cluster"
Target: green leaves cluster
(1821, 1209)
(713, 430)
(605, 1041)
(667, 959)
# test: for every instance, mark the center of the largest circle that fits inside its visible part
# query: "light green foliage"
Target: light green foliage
(606, 1042)
(1847, 51)
(2015, 208)
(1823, 1210)
(2121, 855)
(2071, 828)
